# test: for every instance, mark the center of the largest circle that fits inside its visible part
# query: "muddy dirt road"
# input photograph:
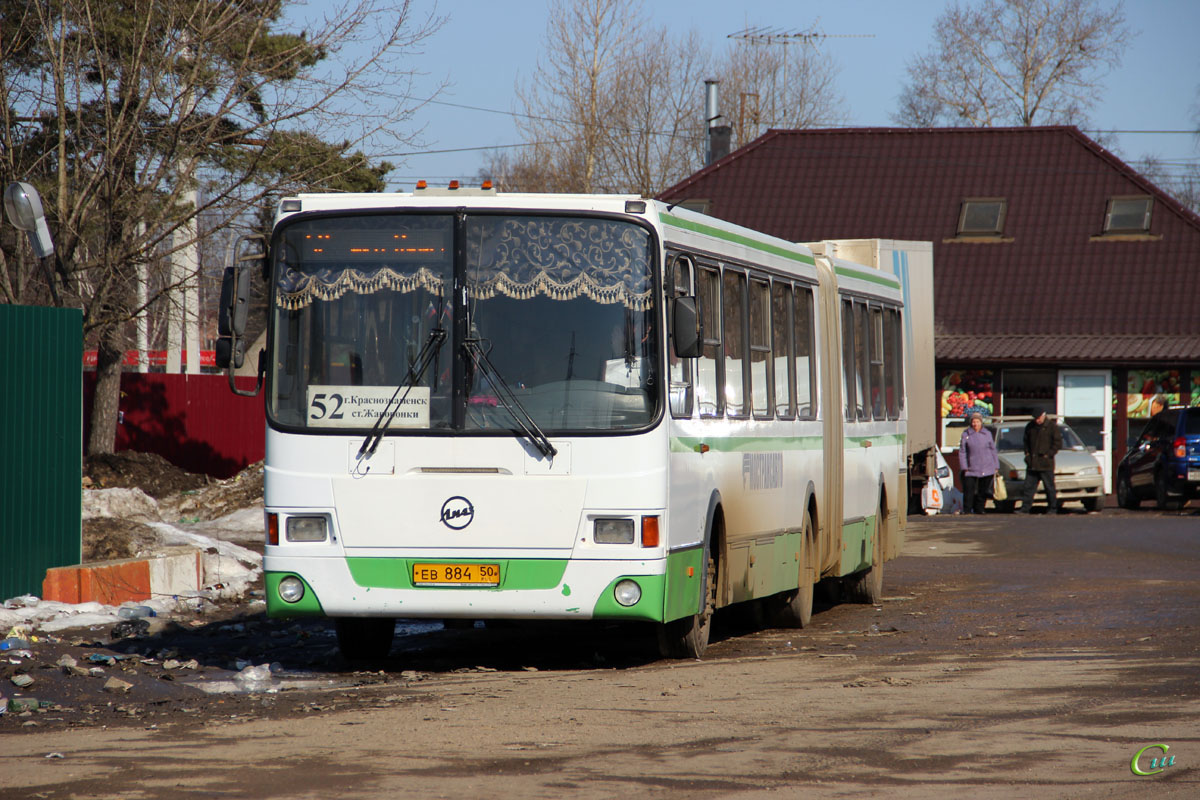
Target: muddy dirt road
(1012, 658)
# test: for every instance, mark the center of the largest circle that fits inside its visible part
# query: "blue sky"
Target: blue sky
(488, 45)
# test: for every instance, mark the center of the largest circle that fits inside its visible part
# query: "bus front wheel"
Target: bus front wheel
(365, 638)
(688, 637)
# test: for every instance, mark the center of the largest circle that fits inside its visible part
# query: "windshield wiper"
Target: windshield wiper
(508, 399)
(415, 371)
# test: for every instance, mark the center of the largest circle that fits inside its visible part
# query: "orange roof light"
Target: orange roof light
(486, 185)
(453, 184)
(422, 185)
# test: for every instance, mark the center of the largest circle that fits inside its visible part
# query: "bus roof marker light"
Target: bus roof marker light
(635, 206)
(290, 206)
(453, 184)
(422, 185)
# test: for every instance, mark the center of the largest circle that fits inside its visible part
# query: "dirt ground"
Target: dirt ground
(1011, 658)
(181, 495)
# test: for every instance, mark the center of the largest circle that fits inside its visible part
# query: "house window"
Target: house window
(1128, 215)
(982, 216)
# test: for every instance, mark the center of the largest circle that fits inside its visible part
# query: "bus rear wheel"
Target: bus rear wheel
(688, 637)
(365, 638)
(867, 586)
(796, 609)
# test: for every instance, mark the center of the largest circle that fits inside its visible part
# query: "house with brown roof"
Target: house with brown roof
(1064, 280)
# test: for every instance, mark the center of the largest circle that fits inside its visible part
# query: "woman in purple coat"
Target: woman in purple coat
(978, 462)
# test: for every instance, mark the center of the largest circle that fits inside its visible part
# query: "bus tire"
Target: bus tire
(796, 609)
(365, 638)
(867, 586)
(688, 637)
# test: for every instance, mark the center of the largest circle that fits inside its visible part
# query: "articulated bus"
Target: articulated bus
(486, 405)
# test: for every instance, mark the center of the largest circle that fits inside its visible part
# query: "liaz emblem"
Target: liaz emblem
(457, 513)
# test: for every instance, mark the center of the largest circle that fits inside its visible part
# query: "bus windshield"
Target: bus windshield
(560, 308)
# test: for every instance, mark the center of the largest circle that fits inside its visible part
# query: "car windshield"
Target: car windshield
(561, 308)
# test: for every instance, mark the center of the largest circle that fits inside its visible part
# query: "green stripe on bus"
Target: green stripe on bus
(880, 439)
(870, 275)
(649, 607)
(307, 606)
(746, 444)
(736, 238)
(515, 573)
(767, 444)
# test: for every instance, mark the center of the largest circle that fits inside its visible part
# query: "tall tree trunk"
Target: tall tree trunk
(102, 436)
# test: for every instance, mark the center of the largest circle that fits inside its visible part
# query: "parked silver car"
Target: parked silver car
(1078, 474)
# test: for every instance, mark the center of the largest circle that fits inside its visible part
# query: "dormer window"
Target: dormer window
(982, 216)
(1128, 214)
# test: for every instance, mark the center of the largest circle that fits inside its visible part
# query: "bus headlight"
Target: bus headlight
(291, 589)
(613, 531)
(306, 529)
(627, 592)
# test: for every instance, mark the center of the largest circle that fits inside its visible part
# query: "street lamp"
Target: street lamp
(24, 209)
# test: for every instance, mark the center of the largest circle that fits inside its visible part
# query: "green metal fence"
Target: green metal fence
(41, 447)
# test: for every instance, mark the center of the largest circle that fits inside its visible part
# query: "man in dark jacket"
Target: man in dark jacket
(1043, 440)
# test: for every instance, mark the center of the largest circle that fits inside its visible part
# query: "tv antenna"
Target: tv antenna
(769, 35)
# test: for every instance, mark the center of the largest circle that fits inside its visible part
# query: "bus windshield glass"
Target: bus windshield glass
(559, 307)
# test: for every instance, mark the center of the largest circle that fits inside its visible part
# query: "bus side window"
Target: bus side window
(760, 349)
(708, 394)
(862, 388)
(785, 365)
(877, 365)
(680, 368)
(733, 313)
(806, 362)
(891, 361)
(848, 359)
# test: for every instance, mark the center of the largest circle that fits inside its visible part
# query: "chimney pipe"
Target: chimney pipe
(717, 137)
(711, 115)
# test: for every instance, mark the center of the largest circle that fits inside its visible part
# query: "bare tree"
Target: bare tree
(778, 84)
(569, 100)
(1181, 181)
(1014, 62)
(616, 104)
(136, 117)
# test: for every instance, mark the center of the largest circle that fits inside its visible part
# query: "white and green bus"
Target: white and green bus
(485, 405)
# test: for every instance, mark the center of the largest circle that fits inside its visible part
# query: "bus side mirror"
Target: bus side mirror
(685, 328)
(235, 307)
(230, 352)
(235, 302)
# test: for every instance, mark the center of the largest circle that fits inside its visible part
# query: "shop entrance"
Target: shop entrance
(1085, 403)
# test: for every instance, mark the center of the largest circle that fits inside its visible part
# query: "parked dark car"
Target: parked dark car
(1164, 462)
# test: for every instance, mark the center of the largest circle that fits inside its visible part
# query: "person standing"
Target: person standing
(978, 462)
(1043, 440)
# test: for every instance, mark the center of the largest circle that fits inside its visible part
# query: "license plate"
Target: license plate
(1194, 474)
(456, 574)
